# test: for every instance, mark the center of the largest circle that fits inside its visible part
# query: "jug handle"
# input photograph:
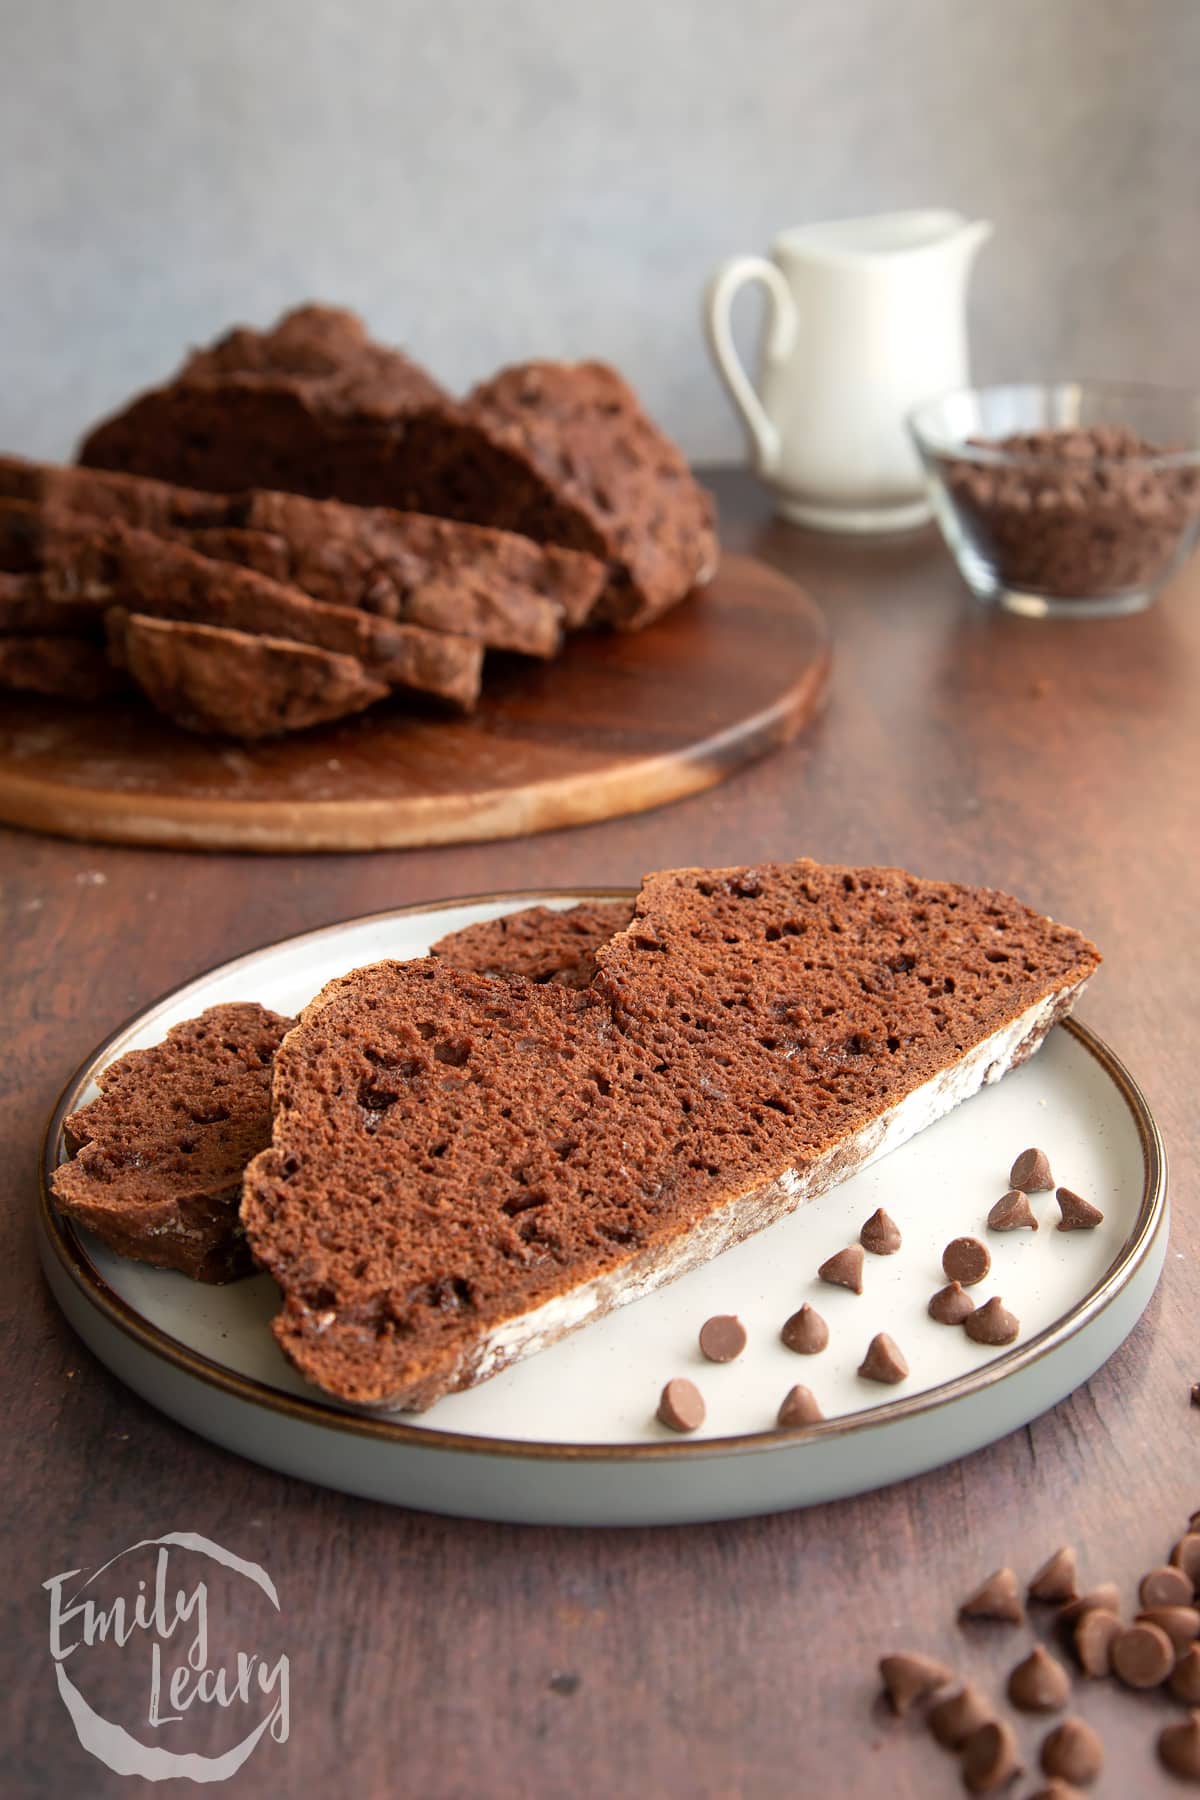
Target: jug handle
(781, 335)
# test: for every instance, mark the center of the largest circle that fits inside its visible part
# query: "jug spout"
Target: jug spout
(967, 241)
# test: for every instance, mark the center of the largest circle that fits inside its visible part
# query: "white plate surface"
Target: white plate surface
(569, 1435)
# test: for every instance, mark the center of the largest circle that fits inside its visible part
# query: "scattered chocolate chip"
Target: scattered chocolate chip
(1057, 1790)
(1039, 1683)
(1179, 1748)
(1077, 1214)
(1073, 1752)
(1196, 1393)
(950, 1305)
(1185, 1677)
(909, 1676)
(1031, 1173)
(565, 1685)
(880, 1235)
(884, 1361)
(1012, 1212)
(992, 1323)
(1104, 1598)
(681, 1405)
(1057, 1579)
(1094, 1634)
(805, 1332)
(1186, 1555)
(954, 1719)
(1181, 1623)
(722, 1338)
(966, 1260)
(989, 1758)
(844, 1269)
(799, 1407)
(996, 1599)
(1142, 1656)
(1167, 1586)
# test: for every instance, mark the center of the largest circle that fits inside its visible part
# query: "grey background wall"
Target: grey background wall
(492, 179)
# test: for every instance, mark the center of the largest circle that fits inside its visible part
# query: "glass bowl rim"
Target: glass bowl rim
(944, 445)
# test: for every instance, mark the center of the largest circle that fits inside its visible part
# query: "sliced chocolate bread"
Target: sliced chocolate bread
(462, 1169)
(156, 1162)
(539, 943)
(68, 668)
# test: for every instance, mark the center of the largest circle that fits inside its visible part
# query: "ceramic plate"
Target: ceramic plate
(570, 1436)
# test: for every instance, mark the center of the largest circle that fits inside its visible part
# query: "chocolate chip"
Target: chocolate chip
(1077, 1214)
(1186, 1556)
(805, 1332)
(1167, 1586)
(1196, 1393)
(966, 1260)
(880, 1235)
(1104, 1598)
(1012, 1212)
(1181, 1623)
(990, 1758)
(884, 1361)
(1057, 1578)
(1094, 1634)
(845, 1269)
(1142, 1656)
(1057, 1790)
(681, 1405)
(996, 1599)
(1031, 1173)
(909, 1676)
(799, 1407)
(992, 1323)
(564, 1685)
(722, 1338)
(1185, 1677)
(1179, 1748)
(1073, 1752)
(954, 1719)
(1039, 1683)
(950, 1305)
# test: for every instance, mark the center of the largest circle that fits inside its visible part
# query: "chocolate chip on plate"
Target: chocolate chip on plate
(681, 1405)
(799, 1407)
(1057, 1579)
(805, 1332)
(1094, 1634)
(1012, 1212)
(884, 1361)
(1078, 1214)
(908, 1676)
(1142, 1656)
(1039, 1683)
(880, 1235)
(722, 1338)
(989, 1758)
(1031, 1173)
(1196, 1393)
(965, 1259)
(950, 1305)
(1073, 1752)
(954, 1719)
(1057, 1790)
(992, 1323)
(1181, 1623)
(1166, 1586)
(1186, 1555)
(997, 1598)
(1105, 1597)
(844, 1268)
(1179, 1748)
(1184, 1680)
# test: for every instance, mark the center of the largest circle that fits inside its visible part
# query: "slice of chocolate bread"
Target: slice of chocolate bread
(69, 668)
(156, 1162)
(27, 610)
(462, 1169)
(208, 678)
(539, 943)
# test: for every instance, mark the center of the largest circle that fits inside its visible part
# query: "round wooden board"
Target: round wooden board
(618, 724)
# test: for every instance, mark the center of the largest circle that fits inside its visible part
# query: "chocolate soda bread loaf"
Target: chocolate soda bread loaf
(538, 944)
(463, 1169)
(70, 668)
(156, 1162)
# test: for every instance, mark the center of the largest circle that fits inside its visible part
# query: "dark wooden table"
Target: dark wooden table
(436, 1658)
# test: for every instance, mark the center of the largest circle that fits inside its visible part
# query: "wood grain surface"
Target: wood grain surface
(440, 1659)
(617, 724)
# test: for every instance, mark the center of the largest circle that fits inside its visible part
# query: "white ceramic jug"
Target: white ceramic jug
(867, 319)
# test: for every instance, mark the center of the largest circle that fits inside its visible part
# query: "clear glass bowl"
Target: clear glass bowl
(1076, 498)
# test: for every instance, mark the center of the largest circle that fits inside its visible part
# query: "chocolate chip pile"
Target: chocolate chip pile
(1086, 515)
(1158, 1649)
